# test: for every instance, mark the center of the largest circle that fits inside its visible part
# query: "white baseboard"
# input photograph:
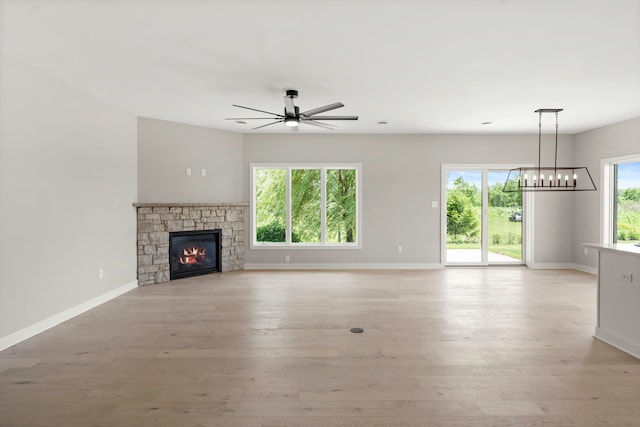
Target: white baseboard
(341, 266)
(564, 266)
(553, 266)
(35, 329)
(586, 269)
(630, 347)
(394, 266)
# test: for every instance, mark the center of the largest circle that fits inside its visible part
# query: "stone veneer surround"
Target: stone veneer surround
(157, 220)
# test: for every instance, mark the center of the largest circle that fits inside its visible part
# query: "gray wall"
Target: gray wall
(166, 149)
(401, 176)
(621, 139)
(553, 238)
(67, 182)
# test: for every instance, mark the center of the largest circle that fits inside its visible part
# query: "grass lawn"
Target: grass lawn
(505, 234)
(514, 251)
(628, 242)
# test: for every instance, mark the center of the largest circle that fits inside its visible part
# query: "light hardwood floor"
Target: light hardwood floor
(451, 347)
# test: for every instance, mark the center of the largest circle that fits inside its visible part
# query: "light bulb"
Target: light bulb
(291, 121)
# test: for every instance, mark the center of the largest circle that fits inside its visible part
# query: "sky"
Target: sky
(475, 177)
(628, 175)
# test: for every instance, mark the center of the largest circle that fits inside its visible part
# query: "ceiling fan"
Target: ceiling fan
(292, 116)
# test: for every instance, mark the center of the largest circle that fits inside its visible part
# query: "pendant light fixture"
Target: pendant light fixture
(549, 178)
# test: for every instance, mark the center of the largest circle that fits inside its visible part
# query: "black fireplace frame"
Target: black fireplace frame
(195, 234)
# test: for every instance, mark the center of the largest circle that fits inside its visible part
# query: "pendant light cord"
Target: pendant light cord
(539, 140)
(555, 164)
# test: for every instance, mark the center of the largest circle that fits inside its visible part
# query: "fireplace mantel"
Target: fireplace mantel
(164, 204)
(157, 220)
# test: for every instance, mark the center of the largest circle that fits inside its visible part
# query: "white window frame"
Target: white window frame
(288, 244)
(607, 197)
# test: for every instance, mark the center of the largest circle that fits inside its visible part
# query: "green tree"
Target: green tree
(469, 190)
(630, 194)
(499, 198)
(270, 205)
(305, 204)
(341, 205)
(461, 216)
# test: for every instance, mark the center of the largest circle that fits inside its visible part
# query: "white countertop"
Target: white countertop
(623, 248)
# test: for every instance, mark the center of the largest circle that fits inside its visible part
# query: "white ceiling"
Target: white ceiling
(424, 66)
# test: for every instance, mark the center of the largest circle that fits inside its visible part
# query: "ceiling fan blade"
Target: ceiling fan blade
(323, 109)
(318, 124)
(288, 106)
(251, 118)
(334, 118)
(255, 109)
(268, 124)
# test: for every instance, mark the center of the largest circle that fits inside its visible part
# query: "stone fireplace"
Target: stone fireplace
(156, 222)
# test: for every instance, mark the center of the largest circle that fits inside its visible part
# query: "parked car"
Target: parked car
(516, 217)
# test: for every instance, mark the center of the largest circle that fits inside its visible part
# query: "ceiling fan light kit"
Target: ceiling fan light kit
(292, 116)
(291, 121)
(549, 178)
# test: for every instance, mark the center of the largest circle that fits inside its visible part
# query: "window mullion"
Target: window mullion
(288, 206)
(323, 205)
(614, 199)
(254, 216)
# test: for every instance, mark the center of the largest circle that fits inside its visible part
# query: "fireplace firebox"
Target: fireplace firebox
(192, 253)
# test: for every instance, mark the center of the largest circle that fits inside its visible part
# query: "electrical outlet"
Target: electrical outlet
(434, 204)
(100, 274)
(203, 172)
(286, 258)
(188, 171)
(626, 277)
(399, 249)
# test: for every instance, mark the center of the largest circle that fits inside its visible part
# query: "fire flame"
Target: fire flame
(192, 255)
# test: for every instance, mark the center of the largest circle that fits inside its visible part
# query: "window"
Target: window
(621, 200)
(305, 205)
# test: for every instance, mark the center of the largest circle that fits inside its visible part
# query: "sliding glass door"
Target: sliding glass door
(504, 222)
(464, 217)
(483, 224)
